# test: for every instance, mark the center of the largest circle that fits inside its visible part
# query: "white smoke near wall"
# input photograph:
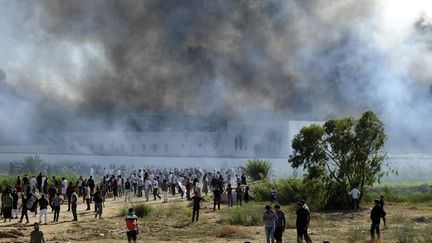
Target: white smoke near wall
(70, 62)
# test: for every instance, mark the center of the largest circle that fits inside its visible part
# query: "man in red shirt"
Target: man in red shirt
(131, 226)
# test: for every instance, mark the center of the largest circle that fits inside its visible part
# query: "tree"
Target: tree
(343, 153)
(257, 169)
(32, 164)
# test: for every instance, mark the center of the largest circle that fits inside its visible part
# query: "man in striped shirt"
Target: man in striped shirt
(131, 226)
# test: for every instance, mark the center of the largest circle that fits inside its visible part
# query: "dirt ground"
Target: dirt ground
(329, 226)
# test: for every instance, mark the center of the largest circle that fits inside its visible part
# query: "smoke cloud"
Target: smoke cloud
(67, 61)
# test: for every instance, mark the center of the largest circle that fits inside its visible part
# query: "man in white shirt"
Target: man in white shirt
(33, 183)
(355, 195)
(64, 187)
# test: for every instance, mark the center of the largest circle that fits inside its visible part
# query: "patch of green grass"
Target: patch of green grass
(246, 216)
(404, 234)
(142, 210)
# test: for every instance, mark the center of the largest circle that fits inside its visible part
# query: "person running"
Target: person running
(57, 201)
(131, 226)
(375, 216)
(302, 223)
(36, 236)
(280, 224)
(156, 189)
(74, 203)
(355, 195)
(196, 199)
(43, 206)
(269, 218)
(24, 208)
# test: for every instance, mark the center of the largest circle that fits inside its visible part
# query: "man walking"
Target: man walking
(302, 223)
(196, 199)
(280, 224)
(269, 218)
(74, 202)
(375, 217)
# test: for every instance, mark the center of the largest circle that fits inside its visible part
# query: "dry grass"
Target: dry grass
(230, 231)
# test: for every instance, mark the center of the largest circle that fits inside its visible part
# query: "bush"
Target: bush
(142, 210)
(257, 169)
(246, 216)
(230, 232)
(290, 190)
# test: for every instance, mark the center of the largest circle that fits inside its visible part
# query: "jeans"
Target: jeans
(269, 232)
(375, 227)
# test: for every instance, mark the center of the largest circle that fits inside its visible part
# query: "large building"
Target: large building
(239, 139)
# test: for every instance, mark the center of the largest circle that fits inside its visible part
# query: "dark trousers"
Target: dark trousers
(302, 232)
(375, 228)
(173, 189)
(131, 235)
(278, 234)
(216, 202)
(69, 201)
(355, 204)
(195, 212)
(56, 213)
(156, 193)
(24, 213)
(88, 203)
(74, 212)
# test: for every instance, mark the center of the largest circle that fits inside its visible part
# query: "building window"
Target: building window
(240, 143)
(154, 147)
(133, 147)
(166, 147)
(143, 146)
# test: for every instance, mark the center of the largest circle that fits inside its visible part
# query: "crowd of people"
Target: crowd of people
(40, 193)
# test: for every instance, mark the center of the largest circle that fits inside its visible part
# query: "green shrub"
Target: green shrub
(290, 190)
(257, 169)
(246, 216)
(6, 180)
(142, 210)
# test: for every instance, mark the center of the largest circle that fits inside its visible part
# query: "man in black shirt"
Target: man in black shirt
(196, 199)
(302, 223)
(375, 216)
